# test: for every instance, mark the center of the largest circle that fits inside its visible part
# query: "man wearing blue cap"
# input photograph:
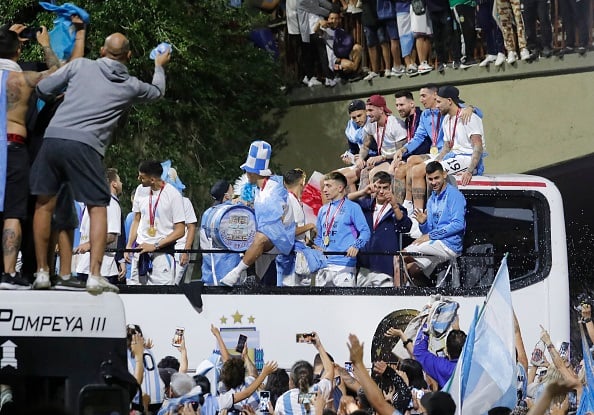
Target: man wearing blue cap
(274, 217)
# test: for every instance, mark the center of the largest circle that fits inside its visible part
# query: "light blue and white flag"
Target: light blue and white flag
(587, 399)
(3, 143)
(485, 376)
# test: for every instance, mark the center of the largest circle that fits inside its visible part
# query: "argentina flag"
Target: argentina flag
(3, 143)
(484, 377)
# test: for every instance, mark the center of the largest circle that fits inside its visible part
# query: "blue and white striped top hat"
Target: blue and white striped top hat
(258, 158)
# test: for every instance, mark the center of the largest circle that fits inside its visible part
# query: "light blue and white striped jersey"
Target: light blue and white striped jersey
(288, 402)
(152, 384)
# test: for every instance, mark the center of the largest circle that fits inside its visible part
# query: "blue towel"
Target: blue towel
(62, 36)
(3, 143)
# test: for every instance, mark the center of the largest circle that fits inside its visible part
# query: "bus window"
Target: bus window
(513, 222)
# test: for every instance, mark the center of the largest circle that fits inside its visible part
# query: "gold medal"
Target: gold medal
(434, 151)
(326, 240)
(152, 231)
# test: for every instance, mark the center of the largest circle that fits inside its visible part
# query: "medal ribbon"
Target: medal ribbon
(410, 129)
(453, 132)
(380, 140)
(376, 221)
(435, 128)
(153, 210)
(328, 225)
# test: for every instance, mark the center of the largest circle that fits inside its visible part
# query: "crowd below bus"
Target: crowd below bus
(413, 378)
(412, 37)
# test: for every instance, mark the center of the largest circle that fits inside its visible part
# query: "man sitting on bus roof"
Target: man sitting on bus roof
(442, 223)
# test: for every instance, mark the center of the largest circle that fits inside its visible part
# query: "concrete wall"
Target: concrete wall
(529, 123)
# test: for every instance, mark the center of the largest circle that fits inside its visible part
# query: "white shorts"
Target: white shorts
(420, 25)
(436, 252)
(163, 272)
(457, 164)
(336, 276)
(366, 278)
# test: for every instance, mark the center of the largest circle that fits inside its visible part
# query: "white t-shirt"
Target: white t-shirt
(393, 137)
(462, 143)
(109, 266)
(298, 215)
(190, 215)
(169, 211)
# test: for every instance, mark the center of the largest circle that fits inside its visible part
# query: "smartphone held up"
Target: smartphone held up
(178, 337)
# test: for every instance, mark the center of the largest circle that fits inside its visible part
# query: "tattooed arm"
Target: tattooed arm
(51, 59)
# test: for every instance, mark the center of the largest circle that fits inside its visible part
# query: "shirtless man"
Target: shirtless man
(19, 86)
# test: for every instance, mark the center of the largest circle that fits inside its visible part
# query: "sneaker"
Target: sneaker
(42, 281)
(16, 282)
(356, 10)
(582, 50)
(313, 82)
(412, 70)
(398, 71)
(305, 80)
(370, 76)
(488, 59)
(441, 67)
(388, 73)
(524, 54)
(71, 284)
(424, 67)
(350, 8)
(330, 82)
(415, 231)
(468, 63)
(456, 64)
(231, 278)
(547, 52)
(500, 59)
(97, 285)
(512, 57)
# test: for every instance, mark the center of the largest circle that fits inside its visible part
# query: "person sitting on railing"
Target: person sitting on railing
(442, 225)
(387, 219)
(341, 227)
(354, 133)
(274, 216)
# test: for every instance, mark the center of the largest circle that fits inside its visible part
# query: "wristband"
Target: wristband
(586, 320)
(407, 341)
(550, 346)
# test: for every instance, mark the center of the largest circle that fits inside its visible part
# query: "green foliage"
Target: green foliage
(222, 92)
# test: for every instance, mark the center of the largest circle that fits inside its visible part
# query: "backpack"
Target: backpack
(418, 7)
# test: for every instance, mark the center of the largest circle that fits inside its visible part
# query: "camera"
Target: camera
(29, 32)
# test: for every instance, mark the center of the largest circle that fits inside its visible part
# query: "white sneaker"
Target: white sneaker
(512, 57)
(500, 59)
(488, 59)
(330, 82)
(415, 231)
(388, 73)
(398, 71)
(412, 70)
(231, 278)
(97, 285)
(424, 67)
(350, 8)
(42, 280)
(370, 76)
(524, 54)
(408, 205)
(305, 80)
(314, 82)
(356, 10)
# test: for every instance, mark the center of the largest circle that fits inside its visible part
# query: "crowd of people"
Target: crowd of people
(410, 37)
(548, 381)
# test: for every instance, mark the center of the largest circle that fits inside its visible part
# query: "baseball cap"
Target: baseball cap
(356, 105)
(378, 101)
(438, 403)
(218, 190)
(449, 91)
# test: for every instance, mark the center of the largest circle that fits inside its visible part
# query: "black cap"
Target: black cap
(449, 91)
(218, 190)
(356, 105)
(438, 403)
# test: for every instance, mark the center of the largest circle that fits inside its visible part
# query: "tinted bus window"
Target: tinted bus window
(514, 222)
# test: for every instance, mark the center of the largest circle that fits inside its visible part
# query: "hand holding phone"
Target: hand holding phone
(178, 337)
(240, 343)
(264, 401)
(304, 337)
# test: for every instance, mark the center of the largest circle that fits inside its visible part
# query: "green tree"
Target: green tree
(222, 92)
